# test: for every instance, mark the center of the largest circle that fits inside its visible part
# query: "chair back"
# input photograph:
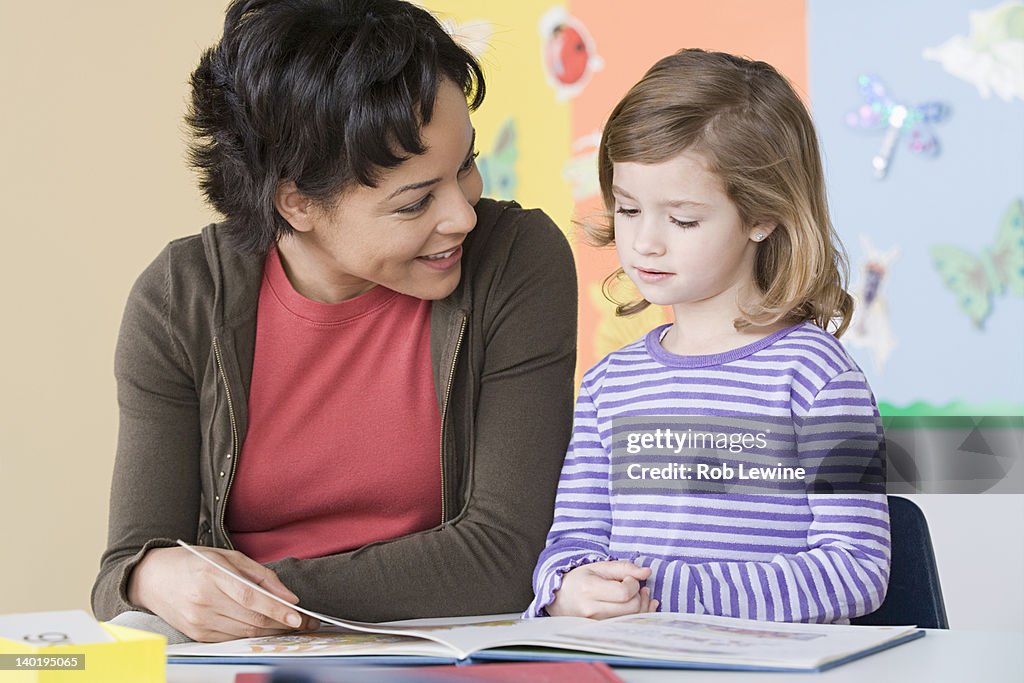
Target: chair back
(914, 595)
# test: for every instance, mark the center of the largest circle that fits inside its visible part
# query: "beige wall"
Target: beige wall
(93, 183)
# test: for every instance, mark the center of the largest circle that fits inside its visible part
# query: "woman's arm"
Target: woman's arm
(155, 490)
(155, 493)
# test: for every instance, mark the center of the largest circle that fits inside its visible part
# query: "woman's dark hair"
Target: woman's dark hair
(324, 93)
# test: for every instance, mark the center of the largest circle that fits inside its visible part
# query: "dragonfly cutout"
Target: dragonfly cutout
(880, 112)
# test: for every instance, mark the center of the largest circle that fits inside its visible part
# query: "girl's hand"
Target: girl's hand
(603, 589)
(206, 604)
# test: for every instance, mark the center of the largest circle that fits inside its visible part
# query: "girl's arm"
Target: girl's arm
(843, 575)
(582, 522)
(845, 571)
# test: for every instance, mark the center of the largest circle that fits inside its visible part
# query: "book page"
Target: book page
(725, 640)
(462, 637)
(330, 641)
(472, 634)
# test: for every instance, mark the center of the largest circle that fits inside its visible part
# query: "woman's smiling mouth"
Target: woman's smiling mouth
(442, 260)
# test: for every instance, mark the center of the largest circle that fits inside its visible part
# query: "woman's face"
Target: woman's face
(406, 233)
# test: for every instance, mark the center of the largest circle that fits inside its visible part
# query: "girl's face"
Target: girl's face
(406, 233)
(679, 237)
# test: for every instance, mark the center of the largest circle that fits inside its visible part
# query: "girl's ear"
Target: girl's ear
(295, 207)
(759, 231)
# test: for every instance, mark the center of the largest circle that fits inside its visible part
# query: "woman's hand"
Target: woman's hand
(206, 604)
(603, 589)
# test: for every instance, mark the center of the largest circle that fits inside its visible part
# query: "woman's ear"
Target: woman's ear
(759, 231)
(295, 207)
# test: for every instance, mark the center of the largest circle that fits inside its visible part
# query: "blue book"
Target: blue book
(661, 640)
(658, 640)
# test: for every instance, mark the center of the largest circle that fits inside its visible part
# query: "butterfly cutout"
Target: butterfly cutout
(976, 280)
(498, 168)
(880, 112)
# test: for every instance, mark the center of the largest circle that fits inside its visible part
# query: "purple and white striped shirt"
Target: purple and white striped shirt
(794, 556)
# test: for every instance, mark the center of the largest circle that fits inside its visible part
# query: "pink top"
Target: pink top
(343, 444)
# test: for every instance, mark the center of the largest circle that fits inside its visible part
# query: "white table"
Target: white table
(939, 657)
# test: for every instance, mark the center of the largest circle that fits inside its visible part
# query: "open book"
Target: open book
(654, 640)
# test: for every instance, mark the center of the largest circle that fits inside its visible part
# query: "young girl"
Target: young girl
(710, 169)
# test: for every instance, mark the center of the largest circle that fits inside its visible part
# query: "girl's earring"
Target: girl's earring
(758, 236)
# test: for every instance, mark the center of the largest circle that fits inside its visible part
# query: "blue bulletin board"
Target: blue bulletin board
(920, 108)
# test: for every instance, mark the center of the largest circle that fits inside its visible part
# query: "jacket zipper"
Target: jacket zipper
(444, 415)
(234, 444)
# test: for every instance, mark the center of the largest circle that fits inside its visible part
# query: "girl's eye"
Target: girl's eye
(629, 213)
(468, 163)
(686, 225)
(417, 207)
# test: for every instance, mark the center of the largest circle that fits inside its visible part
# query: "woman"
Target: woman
(356, 389)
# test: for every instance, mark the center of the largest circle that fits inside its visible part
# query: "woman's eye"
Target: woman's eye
(685, 224)
(468, 163)
(417, 207)
(627, 212)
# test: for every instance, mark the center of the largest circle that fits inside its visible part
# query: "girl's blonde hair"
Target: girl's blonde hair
(757, 136)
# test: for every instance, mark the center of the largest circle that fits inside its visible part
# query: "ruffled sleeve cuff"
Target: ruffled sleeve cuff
(552, 581)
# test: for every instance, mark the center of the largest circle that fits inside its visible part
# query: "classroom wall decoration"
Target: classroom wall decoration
(880, 112)
(991, 56)
(957, 325)
(976, 279)
(919, 107)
